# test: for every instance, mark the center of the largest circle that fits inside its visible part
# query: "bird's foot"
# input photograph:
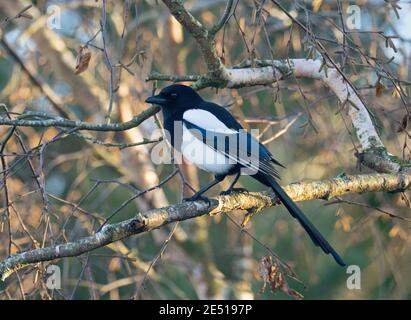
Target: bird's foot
(233, 190)
(398, 190)
(198, 198)
(249, 215)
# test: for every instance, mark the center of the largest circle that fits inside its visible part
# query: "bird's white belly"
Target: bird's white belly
(203, 156)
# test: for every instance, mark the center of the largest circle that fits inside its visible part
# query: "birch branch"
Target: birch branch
(253, 201)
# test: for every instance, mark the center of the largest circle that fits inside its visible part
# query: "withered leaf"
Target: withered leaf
(272, 275)
(83, 60)
(379, 89)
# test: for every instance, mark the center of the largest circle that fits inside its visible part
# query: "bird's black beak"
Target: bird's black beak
(157, 100)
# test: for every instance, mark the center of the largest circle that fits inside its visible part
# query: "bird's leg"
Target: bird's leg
(231, 188)
(237, 176)
(198, 194)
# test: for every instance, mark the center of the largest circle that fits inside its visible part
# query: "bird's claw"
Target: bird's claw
(233, 190)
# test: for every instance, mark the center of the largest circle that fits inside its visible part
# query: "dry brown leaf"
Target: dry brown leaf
(272, 275)
(379, 89)
(83, 60)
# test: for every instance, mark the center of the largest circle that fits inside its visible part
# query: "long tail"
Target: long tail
(312, 231)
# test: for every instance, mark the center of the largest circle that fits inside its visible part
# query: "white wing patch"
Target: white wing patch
(197, 152)
(205, 119)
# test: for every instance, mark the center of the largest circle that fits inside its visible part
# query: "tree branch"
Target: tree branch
(224, 18)
(203, 37)
(80, 125)
(253, 201)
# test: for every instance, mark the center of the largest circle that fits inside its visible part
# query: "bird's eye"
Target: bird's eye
(174, 95)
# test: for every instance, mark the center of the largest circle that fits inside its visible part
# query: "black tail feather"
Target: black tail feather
(312, 231)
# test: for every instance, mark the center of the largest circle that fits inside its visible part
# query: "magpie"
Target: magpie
(196, 127)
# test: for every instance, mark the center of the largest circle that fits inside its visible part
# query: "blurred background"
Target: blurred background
(89, 177)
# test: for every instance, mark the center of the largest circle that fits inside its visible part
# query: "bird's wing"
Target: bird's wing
(237, 145)
(214, 117)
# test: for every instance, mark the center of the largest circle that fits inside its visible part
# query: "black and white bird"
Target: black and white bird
(196, 128)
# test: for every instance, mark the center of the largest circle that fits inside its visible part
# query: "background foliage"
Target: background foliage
(300, 120)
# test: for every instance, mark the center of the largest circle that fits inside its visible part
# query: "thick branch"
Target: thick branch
(156, 218)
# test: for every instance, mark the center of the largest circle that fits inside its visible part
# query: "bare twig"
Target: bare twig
(21, 14)
(224, 18)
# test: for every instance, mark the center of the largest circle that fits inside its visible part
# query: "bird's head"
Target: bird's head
(175, 96)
